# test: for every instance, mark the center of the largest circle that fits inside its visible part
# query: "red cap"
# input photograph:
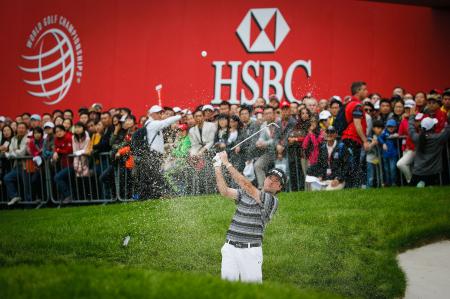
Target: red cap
(183, 127)
(284, 104)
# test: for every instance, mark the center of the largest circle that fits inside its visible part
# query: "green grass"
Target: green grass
(342, 243)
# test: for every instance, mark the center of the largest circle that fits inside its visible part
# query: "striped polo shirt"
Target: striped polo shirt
(251, 218)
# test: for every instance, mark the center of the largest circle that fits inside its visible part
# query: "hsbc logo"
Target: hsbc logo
(262, 30)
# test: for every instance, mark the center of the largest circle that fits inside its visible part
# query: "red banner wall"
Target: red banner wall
(116, 52)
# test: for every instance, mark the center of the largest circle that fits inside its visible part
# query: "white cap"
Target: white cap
(419, 116)
(2, 119)
(176, 109)
(207, 107)
(324, 115)
(49, 124)
(35, 117)
(155, 109)
(338, 98)
(428, 123)
(410, 104)
(376, 106)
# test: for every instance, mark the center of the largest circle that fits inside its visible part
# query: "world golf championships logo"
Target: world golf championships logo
(53, 60)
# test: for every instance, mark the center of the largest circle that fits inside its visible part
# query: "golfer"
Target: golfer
(242, 252)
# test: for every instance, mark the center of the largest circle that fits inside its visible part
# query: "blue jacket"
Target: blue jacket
(392, 150)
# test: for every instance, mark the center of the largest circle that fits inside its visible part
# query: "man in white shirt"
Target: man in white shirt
(202, 139)
(153, 183)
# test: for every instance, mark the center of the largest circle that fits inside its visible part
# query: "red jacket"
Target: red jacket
(407, 144)
(442, 120)
(35, 149)
(63, 146)
(354, 107)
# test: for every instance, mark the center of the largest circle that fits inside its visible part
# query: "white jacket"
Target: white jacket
(203, 142)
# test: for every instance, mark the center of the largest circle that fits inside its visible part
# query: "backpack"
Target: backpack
(139, 142)
(340, 123)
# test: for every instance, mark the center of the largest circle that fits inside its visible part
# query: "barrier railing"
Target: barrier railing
(95, 179)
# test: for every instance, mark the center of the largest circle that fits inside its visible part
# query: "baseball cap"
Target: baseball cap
(207, 107)
(176, 109)
(285, 104)
(377, 105)
(428, 123)
(49, 124)
(434, 97)
(183, 127)
(2, 119)
(155, 109)
(35, 117)
(410, 104)
(419, 116)
(391, 123)
(336, 98)
(324, 115)
(279, 174)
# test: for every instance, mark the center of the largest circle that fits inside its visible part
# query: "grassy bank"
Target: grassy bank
(337, 242)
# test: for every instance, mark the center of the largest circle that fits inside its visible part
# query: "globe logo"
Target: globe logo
(50, 72)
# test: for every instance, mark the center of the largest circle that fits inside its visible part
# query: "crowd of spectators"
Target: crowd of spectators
(360, 141)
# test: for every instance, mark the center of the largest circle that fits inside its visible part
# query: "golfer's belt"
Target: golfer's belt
(243, 245)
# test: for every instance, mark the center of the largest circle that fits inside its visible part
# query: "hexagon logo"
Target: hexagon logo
(262, 30)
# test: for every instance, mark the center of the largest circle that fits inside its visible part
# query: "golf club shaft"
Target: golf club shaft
(251, 136)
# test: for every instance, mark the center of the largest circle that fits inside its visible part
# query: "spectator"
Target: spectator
(265, 147)
(398, 91)
(421, 101)
(26, 118)
(373, 158)
(126, 160)
(58, 121)
(325, 119)
(385, 111)
(153, 177)
(328, 168)
(405, 162)
(274, 102)
(224, 108)
(68, 125)
(335, 105)
(63, 148)
(433, 110)
(33, 167)
(446, 102)
(388, 141)
(49, 141)
(398, 112)
(84, 117)
(286, 125)
(235, 135)
(311, 105)
(68, 114)
(5, 165)
(17, 149)
(208, 113)
(178, 174)
(374, 98)
(323, 105)
(46, 117)
(429, 144)
(57, 113)
(354, 136)
(80, 144)
(202, 140)
(249, 127)
(312, 142)
(222, 133)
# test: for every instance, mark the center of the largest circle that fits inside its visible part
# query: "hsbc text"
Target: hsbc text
(268, 82)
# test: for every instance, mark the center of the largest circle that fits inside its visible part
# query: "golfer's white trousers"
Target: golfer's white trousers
(243, 264)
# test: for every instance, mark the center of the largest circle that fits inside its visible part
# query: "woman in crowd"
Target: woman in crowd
(222, 133)
(80, 145)
(33, 167)
(398, 112)
(408, 148)
(17, 149)
(421, 101)
(5, 165)
(58, 121)
(68, 125)
(64, 170)
(312, 142)
(234, 137)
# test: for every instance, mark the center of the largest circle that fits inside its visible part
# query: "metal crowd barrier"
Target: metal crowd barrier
(107, 182)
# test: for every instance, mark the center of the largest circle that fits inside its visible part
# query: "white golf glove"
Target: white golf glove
(217, 161)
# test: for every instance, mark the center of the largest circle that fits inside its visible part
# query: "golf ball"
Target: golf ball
(204, 53)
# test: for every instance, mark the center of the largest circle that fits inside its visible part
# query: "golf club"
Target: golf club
(249, 137)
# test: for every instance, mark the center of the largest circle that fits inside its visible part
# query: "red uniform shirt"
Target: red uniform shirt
(353, 110)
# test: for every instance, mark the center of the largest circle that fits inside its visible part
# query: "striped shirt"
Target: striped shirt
(251, 218)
